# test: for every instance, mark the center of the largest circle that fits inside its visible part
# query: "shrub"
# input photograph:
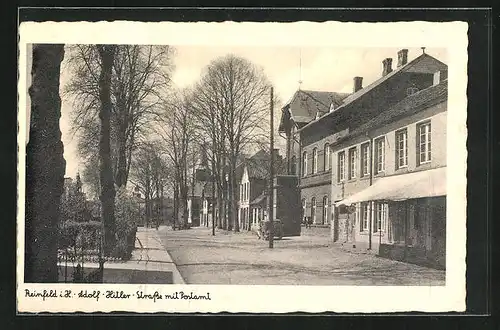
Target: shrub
(126, 217)
(81, 234)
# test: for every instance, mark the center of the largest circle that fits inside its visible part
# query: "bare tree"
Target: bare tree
(140, 75)
(175, 128)
(149, 173)
(231, 102)
(106, 54)
(90, 175)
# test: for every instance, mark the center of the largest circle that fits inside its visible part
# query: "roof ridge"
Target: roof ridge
(353, 97)
(314, 98)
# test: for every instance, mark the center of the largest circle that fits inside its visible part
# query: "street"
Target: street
(241, 258)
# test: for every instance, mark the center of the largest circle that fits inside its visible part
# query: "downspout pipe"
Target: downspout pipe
(370, 203)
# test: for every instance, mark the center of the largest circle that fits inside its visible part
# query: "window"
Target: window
(365, 163)
(381, 217)
(327, 157)
(401, 148)
(315, 161)
(379, 154)
(241, 191)
(364, 216)
(313, 209)
(325, 210)
(248, 191)
(293, 165)
(424, 143)
(352, 163)
(341, 167)
(304, 164)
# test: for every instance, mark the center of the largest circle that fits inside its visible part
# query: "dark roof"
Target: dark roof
(259, 199)
(408, 106)
(429, 65)
(305, 104)
(258, 165)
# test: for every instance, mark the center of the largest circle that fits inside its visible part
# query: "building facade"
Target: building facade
(396, 202)
(253, 186)
(389, 177)
(310, 160)
(370, 134)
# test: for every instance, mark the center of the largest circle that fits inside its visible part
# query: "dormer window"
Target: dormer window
(411, 91)
(332, 107)
(318, 114)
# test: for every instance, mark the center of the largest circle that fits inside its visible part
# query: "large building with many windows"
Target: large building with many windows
(380, 131)
(390, 180)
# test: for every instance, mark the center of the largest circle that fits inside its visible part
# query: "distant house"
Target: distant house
(165, 208)
(253, 182)
(195, 202)
(206, 204)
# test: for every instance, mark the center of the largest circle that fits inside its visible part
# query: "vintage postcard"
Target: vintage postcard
(242, 167)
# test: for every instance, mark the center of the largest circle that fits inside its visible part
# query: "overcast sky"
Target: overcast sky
(324, 69)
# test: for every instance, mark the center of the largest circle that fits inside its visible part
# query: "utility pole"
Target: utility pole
(213, 199)
(271, 179)
(212, 178)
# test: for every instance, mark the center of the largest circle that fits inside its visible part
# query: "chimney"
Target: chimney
(387, 66)
(402, 57)
(358, 83)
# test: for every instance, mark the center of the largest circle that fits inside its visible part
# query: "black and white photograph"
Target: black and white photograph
(196, 173)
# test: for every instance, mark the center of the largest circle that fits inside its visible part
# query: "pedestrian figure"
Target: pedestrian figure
(308, 222)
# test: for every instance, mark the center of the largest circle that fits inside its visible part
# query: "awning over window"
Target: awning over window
(430, 183)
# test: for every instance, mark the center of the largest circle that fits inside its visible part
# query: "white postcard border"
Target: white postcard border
(278, 298)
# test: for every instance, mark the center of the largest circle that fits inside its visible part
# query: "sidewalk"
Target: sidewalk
(150, 263)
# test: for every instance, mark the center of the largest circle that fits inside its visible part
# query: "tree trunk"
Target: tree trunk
(121, 175)
(162, 214)
(183, 205)
(220, 207)
(45, 166)
(147, 200)
(224, 200)
(176, 206)
(234, 185)
(108, 192)
(230, 218)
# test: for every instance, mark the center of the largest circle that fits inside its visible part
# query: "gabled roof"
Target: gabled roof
(260, 199)
(305, 104)
(258, 165)
(429, 64)
(408, 106)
